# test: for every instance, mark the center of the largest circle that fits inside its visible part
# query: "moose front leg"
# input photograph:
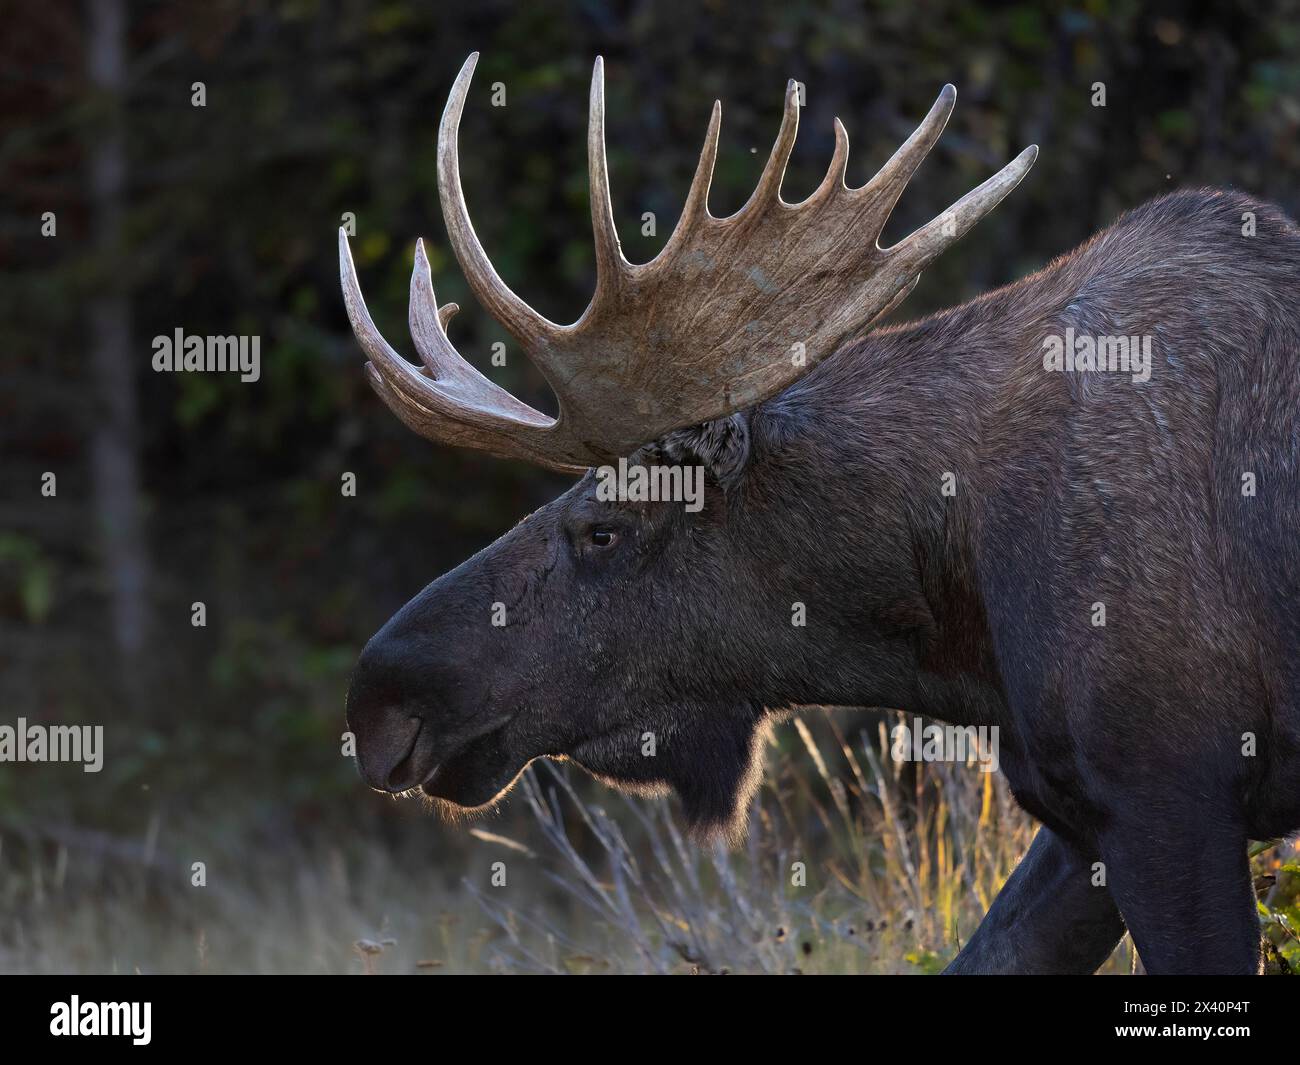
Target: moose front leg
(1048, 917)
(1182, 879)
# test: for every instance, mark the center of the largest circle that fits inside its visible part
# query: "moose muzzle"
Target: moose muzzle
(395, 745)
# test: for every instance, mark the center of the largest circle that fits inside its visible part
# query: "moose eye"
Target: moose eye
(603, 537)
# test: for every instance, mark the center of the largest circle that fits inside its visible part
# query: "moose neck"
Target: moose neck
(894, 438)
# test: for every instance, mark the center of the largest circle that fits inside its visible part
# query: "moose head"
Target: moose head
(649, 642)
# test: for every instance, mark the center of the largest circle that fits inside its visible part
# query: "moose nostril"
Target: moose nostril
(402, 776)
(385, 737)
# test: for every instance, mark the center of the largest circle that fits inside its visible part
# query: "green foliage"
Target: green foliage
(28, 574)
(1279, 908)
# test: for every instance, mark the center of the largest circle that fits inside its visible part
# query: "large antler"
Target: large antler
(732, 311)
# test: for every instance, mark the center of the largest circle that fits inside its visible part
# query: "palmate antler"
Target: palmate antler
(732, 311)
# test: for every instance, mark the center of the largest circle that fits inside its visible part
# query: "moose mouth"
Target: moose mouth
(456, 776)
(473, 775)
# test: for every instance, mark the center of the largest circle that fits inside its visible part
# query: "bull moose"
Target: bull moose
(1102, 564)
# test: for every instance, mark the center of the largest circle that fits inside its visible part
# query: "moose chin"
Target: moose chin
(1103, 567)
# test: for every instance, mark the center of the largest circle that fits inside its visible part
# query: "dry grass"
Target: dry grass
(895, 872)
(897, 869)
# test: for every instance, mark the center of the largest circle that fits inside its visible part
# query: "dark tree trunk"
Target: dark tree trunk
(114, 457)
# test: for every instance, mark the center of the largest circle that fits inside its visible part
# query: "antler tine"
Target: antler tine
(453, 403)
(887, 186)
(453, 374)
(696, 208)
(834, 178)
(380, 353)
(914, 253)
(697, 200)
(609, 255)
(769, 182)
(532, 330)
(428, 322)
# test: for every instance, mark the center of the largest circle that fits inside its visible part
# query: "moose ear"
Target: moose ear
(721, 447)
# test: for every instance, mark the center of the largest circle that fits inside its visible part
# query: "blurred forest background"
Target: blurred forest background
(223, 741)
